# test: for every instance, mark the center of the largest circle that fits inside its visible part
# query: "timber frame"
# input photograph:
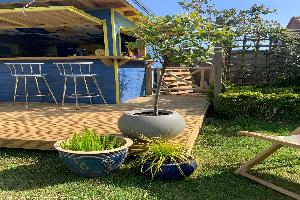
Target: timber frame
(278, 143)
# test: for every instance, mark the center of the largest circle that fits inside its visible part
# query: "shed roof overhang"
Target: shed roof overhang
(46, 17)
(49, 24)
(122, 6)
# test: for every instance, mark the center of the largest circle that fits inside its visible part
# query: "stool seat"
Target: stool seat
(28, 75)
(80, 75)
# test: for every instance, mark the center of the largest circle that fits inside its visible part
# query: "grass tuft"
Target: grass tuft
(159, 152)
(88, 140)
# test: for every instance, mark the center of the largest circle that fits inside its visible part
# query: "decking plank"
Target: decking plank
(43, 124)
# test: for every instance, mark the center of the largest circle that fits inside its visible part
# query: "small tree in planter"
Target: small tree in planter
(184, 38)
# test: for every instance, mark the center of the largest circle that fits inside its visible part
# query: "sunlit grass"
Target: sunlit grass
(218, 151)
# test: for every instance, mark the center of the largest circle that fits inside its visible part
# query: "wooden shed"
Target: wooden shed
(51, 31)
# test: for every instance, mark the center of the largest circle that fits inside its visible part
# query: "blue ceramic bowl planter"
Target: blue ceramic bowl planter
(94, 163)
(171, 171)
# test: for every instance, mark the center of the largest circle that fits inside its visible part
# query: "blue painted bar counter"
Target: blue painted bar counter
(131, 79)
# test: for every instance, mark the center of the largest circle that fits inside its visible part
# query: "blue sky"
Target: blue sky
(286, 8)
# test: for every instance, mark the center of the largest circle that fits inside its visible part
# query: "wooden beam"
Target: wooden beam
(271, 185)
(243, 170)
(129, 13)
(277, 139)
(149, 80)
(103, 4)
(10, 22)
(112, 5)
(107, 61)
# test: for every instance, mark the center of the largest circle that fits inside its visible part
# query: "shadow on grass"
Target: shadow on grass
(230, 127)
(210, 182)
(221, 184)
(34, 169)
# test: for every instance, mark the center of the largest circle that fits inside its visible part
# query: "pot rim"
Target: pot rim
(181, 163)
(128, 143)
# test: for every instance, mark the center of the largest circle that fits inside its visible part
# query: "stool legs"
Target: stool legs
(87, 89)
(16, 88)
(99, 90)
(51, 93)
(38, 89)
(26, 92)
(76, 94)
(64, 93)
(76, 90)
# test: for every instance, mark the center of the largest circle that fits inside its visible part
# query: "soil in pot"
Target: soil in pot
(149, 113)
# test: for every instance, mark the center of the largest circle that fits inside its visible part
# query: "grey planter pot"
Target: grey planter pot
(94, 163)
(136, 123)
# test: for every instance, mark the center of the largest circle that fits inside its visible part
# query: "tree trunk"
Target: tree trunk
(156, 98)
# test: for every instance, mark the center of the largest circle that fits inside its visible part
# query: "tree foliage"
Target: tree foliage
(249, 22)
(286, 58)
(182, 38)
(251, 31)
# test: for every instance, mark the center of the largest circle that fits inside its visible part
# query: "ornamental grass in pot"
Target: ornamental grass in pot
(164, 160)
(91, 155)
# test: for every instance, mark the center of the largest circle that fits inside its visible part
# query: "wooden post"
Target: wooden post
(243, 53)
(218, 75)
(158, 73)
(149, 80)
(218, 63)
(202, 74)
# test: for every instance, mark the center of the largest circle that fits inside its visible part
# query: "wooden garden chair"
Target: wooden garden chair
(277, 142)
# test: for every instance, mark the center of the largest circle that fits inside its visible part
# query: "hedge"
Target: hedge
(282, 106)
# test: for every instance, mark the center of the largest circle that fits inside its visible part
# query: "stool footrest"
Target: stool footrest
(81, 96)
(36, 95)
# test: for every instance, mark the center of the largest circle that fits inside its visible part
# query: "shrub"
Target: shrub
(285, 59)
(281, 106)
(265, 89)
(210, 91)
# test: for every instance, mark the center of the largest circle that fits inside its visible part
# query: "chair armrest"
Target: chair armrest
(296, 131)
(257, 135)
(274, 139)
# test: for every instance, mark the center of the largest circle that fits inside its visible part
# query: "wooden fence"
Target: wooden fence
(189, 80)
(180, 80)
(249, 67)
(250, 61)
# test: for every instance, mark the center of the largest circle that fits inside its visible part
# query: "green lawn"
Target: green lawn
(219, 151)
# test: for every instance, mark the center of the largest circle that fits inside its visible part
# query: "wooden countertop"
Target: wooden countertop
(107, 60)
(74, 58)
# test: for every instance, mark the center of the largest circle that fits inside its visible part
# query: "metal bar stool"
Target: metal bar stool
(75, 71)
(27, 71)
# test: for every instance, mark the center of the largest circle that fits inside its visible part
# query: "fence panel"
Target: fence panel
(180, 80)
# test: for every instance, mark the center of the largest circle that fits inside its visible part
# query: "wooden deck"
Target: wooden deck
(43, 124)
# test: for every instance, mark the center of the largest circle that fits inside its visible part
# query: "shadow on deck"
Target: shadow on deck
(43, 124)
